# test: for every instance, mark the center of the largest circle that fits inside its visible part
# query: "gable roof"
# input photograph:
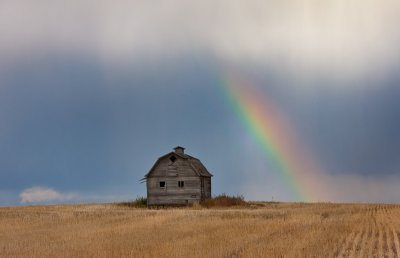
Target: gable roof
(194, 163)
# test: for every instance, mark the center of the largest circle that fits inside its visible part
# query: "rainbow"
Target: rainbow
(271, 131)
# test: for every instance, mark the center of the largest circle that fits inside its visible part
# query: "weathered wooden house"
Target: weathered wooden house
(177, 179)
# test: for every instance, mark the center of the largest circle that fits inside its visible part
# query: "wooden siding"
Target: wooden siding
(195, 189)
(207, 187)
(166, 167)
(171, 193)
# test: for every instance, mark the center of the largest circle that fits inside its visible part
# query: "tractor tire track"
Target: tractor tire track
(380, 240)
(360, 241)
(347, 245)
(385, 241)
(391, 244)
(339, 248)
(363, 244)
(356, 243)
(375, 238)
(240, 249)
(396, 242)
(370, 239)
(392, 231)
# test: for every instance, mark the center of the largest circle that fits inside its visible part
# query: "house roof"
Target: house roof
(194, 163)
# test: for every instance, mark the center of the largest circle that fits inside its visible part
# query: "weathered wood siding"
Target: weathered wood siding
(171, 193)
(207, 187)
(171, 173)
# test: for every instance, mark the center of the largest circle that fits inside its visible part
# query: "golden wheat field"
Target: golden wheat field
(261, 230)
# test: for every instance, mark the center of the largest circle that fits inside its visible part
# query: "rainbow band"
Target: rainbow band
(268, 128)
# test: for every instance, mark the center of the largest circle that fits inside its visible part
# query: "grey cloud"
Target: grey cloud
(350, 38)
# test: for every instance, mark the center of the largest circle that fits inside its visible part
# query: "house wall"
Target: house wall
(171, 194)
(207, 187)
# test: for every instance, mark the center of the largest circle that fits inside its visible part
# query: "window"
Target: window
(162, 184)
(181, 184)
(172, 158)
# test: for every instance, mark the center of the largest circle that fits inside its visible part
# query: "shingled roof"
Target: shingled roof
(194, 163)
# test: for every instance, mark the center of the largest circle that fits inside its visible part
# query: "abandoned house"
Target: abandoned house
(177, 179)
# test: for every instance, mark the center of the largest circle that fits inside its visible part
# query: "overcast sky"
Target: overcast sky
(93, 92)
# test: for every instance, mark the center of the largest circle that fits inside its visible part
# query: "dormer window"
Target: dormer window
(172, 158)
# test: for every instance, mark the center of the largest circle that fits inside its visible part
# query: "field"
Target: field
(260, 230)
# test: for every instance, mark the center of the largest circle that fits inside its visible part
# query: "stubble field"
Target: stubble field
(260, 230)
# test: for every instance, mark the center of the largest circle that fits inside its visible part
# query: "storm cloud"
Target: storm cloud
(345, 38)
(92, 92)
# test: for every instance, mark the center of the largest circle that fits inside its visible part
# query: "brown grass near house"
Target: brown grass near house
(139, 202)
(224, 200)
(256, 230)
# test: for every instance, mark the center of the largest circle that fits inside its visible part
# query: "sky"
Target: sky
(93, 92)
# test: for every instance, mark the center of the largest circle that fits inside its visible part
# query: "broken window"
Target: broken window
(181, 184)
(162, 184)
(172, 158)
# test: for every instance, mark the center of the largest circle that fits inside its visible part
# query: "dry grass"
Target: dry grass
(258, 230)
(224, 200)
